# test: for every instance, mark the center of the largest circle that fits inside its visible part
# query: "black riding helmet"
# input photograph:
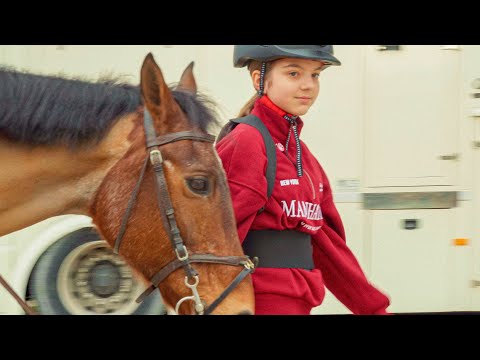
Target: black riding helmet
(242, 54)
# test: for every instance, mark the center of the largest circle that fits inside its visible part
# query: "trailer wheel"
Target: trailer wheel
(79, 274)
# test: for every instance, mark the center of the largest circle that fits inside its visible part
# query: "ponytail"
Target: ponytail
(247, 108)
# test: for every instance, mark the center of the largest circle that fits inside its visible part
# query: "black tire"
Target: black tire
(43, 284)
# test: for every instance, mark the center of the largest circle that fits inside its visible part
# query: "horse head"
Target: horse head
(166, 207)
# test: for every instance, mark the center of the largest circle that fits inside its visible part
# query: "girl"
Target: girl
(296, 233)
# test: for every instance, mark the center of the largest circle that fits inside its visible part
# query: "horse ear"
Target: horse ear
(187, 81)
(156, 94)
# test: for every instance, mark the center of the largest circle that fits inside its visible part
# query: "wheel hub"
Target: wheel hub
(94, 280)
(104, 280)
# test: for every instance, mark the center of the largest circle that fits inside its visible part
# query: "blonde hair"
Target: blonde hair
(247, 108)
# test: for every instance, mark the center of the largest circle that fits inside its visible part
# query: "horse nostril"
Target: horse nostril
(245, 312)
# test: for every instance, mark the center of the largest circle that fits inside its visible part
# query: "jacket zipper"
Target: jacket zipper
(305, 171)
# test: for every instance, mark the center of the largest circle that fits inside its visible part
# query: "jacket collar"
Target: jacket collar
(273, 117)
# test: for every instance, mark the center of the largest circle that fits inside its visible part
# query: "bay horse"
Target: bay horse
(139, 161)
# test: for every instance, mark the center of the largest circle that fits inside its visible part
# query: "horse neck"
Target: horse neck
(44, 181)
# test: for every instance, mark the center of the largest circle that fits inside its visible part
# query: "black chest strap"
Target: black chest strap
(280, 248)
(270, 148)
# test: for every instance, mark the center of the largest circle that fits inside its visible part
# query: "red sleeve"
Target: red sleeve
(341, 271)
(244, 159)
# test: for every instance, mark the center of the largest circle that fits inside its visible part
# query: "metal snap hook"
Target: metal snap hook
(199, 306)
(191, 286)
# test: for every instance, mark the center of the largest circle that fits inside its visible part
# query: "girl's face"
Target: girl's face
(292, 84)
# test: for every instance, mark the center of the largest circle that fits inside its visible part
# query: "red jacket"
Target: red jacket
(297, 203)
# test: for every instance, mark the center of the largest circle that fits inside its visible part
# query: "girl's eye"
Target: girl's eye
(316, 76)
(293, 73)
(199, 186)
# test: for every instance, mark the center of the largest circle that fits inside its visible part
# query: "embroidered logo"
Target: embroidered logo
(280, 147)
(310, 227)
(302, 209)
(289, 182)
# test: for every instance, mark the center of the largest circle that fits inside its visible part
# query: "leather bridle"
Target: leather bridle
(183, 258)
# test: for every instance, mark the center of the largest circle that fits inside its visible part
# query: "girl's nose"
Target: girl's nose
(308, 83)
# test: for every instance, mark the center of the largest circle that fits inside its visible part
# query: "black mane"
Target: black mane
(52, 110)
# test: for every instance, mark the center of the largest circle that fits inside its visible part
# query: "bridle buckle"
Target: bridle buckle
(156, 157)
(185, 252)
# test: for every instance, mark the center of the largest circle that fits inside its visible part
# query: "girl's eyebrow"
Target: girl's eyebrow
(299, 67)
(293, 65)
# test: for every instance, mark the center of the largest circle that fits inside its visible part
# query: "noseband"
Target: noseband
(183, 258)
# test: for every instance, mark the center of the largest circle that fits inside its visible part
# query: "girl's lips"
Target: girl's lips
(304, 100)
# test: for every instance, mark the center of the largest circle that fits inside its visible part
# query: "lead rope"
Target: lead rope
(17, 298)
(293, 126)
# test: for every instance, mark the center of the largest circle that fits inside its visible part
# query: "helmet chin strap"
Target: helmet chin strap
(262, 79)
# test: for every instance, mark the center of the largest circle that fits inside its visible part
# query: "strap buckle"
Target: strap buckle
(156, 157)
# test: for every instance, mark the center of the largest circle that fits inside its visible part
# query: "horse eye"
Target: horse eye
(199, 185)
